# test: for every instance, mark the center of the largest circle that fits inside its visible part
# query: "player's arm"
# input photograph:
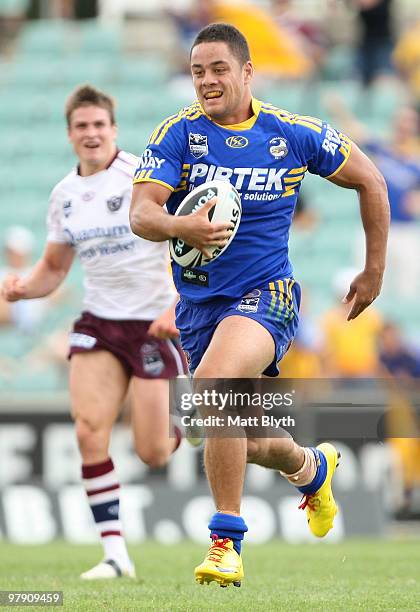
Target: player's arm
(361, 174)
(149, 220)
(45, 276)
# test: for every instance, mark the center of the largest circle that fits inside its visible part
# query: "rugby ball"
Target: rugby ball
(227, 208)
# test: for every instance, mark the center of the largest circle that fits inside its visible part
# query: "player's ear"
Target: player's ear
(248, 72)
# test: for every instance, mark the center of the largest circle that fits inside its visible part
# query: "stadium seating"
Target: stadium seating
(53, 56)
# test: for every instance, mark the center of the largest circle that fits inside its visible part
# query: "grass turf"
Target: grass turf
(363, 575)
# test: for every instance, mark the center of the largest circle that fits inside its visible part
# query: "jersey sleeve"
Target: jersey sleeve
(161, 161)
(55, 232)
(325, 150)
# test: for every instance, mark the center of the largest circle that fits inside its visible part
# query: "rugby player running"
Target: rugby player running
(127, 329)
(274, 149)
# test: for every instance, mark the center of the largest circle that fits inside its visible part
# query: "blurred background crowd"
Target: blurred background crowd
(355, 63)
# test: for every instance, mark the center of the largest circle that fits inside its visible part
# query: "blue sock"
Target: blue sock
(321, 473)
(228, 526)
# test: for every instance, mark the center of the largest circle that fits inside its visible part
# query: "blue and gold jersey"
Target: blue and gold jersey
(265, 158)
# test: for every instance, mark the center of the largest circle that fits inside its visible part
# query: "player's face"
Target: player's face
(93, 136)
(221, 83)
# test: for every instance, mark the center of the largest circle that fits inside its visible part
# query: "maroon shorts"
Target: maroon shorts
(141, 355)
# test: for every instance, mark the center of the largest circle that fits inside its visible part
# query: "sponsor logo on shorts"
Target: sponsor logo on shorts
(188, 358)
(152, 359)
(249, 304)
(114, 203)
(282, 350)
(195, 277)
(198, 145)
(82, 340)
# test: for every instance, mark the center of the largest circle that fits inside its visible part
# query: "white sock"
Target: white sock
(115, 548)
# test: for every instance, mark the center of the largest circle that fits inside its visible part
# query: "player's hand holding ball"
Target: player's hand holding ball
(198, 231)
(13, 288)
(206, 223)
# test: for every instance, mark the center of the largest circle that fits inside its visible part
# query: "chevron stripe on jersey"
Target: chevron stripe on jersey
(265, 158)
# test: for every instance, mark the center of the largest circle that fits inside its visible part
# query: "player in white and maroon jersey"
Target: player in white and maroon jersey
(126, 332)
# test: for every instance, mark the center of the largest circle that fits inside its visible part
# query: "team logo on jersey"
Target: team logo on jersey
(114, 203)
(67, 208)
(198, 145)
(278, 147)
(88, 196)
(237, 142)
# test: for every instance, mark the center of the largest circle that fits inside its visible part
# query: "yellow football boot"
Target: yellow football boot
(222, 564)
(320, 506)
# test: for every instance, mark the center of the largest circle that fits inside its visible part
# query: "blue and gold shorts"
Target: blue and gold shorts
(275, 306)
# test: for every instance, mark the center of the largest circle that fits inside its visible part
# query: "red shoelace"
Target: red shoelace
(307, 500)
(217, 548)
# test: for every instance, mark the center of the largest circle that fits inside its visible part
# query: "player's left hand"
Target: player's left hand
(164, 327)
(364, 288)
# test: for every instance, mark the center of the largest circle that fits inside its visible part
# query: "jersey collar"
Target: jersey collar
(117, 152)
(244, 125)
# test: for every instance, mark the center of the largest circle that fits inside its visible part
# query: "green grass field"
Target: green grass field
(354, 575)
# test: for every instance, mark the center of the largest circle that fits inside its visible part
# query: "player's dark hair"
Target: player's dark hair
(87, 95)
(224, 32)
